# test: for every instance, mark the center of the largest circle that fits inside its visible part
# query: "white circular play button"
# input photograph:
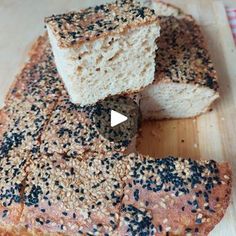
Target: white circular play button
(117, 118)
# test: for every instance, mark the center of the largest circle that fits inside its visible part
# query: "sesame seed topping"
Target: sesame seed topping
(73, 28)
(182, 56)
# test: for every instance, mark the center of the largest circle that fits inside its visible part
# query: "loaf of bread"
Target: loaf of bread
(105, 50)
(107, 194)
(185, 82)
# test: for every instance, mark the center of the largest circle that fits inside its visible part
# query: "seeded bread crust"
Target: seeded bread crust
(74, 28)
(3, 123)
(172, 195)
(18, 90)
(21, 231)
(186, 59)
(72, 131)
(179, 211)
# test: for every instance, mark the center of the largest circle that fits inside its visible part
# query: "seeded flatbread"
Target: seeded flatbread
(57, 194)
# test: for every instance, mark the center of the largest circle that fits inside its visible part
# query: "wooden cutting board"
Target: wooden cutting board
(212, 135)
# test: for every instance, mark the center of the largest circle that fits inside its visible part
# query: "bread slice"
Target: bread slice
(105, 50)
(185, 82)
(125, 195)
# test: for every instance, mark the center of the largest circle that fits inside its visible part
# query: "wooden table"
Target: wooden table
(212, 135)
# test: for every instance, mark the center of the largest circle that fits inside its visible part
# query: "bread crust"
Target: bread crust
(180, 63)
(182, 56)
(34, 55)
(192, 212)
(75, 28)
(3, 123)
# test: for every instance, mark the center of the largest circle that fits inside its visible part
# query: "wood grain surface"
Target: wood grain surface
(212, 135)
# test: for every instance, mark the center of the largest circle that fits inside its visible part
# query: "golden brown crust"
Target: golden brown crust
(225, 195)
(12, 231)
(22, 231)
(3, 123)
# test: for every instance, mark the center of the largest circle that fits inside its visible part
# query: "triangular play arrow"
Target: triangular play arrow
(117, 118)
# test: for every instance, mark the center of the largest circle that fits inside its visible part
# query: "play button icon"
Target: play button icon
(117, 118)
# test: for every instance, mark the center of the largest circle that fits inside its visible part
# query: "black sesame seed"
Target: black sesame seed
(64, 213)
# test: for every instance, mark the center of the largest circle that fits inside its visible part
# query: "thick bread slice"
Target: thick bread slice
(105, 50)
(185, 82)
(124, 195)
